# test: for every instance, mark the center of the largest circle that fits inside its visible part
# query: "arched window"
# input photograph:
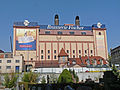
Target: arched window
(99, 33)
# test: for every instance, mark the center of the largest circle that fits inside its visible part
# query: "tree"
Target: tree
(10, 80)
(109, 59)
(43, 80)
(115, 71)
(30, 77)
(65, 77)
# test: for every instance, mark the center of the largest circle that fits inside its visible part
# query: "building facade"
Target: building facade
(115, 54)
(43, 43)
(10, 63)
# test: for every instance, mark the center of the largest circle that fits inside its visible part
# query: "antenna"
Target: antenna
(11, 44)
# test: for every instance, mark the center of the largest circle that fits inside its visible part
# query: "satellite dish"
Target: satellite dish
(26, 22)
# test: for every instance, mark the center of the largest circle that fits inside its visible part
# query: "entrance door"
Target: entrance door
(17, 69)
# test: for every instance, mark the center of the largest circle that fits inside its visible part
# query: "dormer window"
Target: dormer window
(100, 60)
(73, 62)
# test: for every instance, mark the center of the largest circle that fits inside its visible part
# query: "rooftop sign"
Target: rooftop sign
(65, 27)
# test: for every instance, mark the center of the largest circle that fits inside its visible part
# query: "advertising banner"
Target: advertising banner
(25, 39)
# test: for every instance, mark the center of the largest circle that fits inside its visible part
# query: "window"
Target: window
(6, 55)
(48, 51)
(41, 51)
(79, 51)
(99, 33)
(54, 51)
(85, 51)
(73, 62)
(83, 33)
(47, 32)
(17, 61)
(8, 67)
(71, 33)
(21, 54)
(59, 32)
(67, 51)
(73, 51)
(91, 51)
(63, 59)
(8, 61)
(0, 67)
(55, 57)
(73, 56)
(31, 58)
(41, 56)
(79, 56)
(48, 56)
(0, 61)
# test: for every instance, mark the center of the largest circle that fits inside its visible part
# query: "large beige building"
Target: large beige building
(43, 43)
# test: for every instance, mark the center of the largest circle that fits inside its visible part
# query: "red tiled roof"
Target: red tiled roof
(62, 53)
(82, 61)
(45, 64)
(79, 61)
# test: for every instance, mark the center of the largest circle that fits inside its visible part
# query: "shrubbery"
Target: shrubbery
(65, 77)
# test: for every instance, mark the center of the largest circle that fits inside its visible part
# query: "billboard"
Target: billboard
(25, 39)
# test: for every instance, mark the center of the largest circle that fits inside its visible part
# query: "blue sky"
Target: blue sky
(43, 11)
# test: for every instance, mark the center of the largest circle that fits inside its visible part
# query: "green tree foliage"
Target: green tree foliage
(65, 77)
(30, 77)
(10, 80)
(43, 80)
(109, 59)
(115, 71)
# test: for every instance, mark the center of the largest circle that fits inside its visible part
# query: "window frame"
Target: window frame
(48, 51)
(47, 32)
(59, 33)
(0, 61)
(83, 33)
(8, 61)
(54, 51)
(41, 51)
(7, 67)
(42, 57)
(17, 60)
(71, 33)
(48, 56)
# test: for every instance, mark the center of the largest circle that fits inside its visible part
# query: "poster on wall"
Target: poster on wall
(25, 39)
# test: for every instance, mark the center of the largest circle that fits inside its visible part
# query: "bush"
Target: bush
(10, 80)
(65, 77)
(30, 77)
(43, 80)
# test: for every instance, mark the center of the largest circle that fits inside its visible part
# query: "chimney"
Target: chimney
(56, 20)
(77, 22)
